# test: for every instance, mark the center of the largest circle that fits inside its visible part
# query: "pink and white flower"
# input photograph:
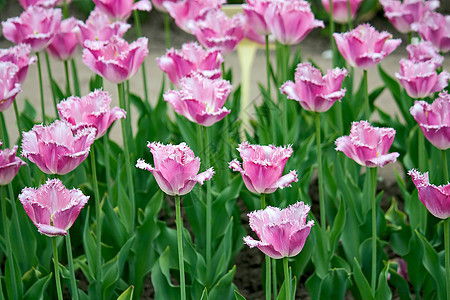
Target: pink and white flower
(340, 12)
(20, 56)
(9, 165)
(42, 3)
(65, 42)
(10, 86)
(159, 4)
(255, 10)
(121, 9)
(424, 51)
(435, 28)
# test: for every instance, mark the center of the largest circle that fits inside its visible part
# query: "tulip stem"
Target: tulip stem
(167, 30)
(333, 45)
(15, 217)
(422, 150)
(139, 34)
(447, 254)
(99, 223)
(366, 95)
(349, 15)
(179, 222)
(76, 82)
(268, 65)
(107, 165)
(16, 112)
(274, 277)
(208, 205)
(56, 264)
(444, 163)
(52, 82)
(267, 258)
(373, 182)
(287, 278)
(41, 88)
(73, 282)
(3, 130)
(64, 9)
(323, 212)
(66, 71)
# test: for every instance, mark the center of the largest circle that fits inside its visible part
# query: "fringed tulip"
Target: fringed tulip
(115, 60)
(434, 120)
(262, 167)
(159, 4)
(65, 42)
(192, 58)
(216, 31)
(255, 10)
(435, 28)
(176, 168)
(364, 47)
(9, 165)
(186, 11)
(312, 91)
(340, 12)
(98, 27)
(121, 9)
(10, 86)
(424, 51)
(367, 145)
(52, 207)
(421, 79)
(282, 232)
(20, 56)
(290, 21)
(435, 198)
(54, 148)
(42, 3)
(403, 14)
(92, 110)
(200, 99)
(35, 27)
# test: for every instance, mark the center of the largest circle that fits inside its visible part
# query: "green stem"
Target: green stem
(73, 282)
(66, 71)
(179, 222)
(447, 254)
(268, 65)
(267, 258)
(4, 131)
(76, 82)
(120, 88)
(323, 212)
(410, 37)
(373, 182)
(444, 163)
(333, 45)
(99, 223)
(366, 95)
(287, 279)
(41, 88)
(64, 9)
(56, 264)
(16, 112)
(8, 244)
(422, 150)
(274, 278)
(129, 117)
(167, 29)
(50, 78)
(107, 165)
(349, 15)
(208, 205)
(15, 217)
(137, 22)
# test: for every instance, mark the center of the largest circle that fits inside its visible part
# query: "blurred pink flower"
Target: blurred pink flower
(200, 99)
(424, 51)
(262, 167)
(435, 28)
(290, 21)
(364, 47)
(20, 56)
(35, 27)
(313, 91)
(42, 3)
(159, 4)
(10, 86)
(52, 207)
(216, 31)
(282, 232)
(92, 110)
(115, 60)
(403, 14)
(121, 9)
(98, 27)
(421, 79)
(176, 168)
(65, 42)
(255, 10)
(192, 58)
(186, 11)
(367, 145)
(9, 165)
(435, 198)
(340, 13)
(434, 120)
(54, 148)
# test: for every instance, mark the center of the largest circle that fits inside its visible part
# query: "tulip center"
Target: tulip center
(36, 32)
(208, 108)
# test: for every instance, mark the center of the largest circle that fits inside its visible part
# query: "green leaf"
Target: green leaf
(90, 248)
(322, 255)
(335, 284)
(204, 294)
(224, 288)
(338, 226)
(127, 294)
(383, 292)
(14, 286)
(361, 282)
(238, 296)
(37, 290)
(400, 284)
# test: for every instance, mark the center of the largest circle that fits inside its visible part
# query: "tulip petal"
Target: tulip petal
(50, 231)
(265, 248)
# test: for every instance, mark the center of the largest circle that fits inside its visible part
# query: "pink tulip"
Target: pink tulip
(403, 14)
(282, 232)
(92, 110)
(52, 207)
(290, 21)
(54, 148)
(186, 11)
(340, 12)
(65, 42)
(9, 165)
(20, 56)
(200, 99)
(176, 168)
(434, 120)
(435, 28)
(35, 27)
(216, 31)
(159, 4)
(10, 86)
(421, 79)
(424, 51)
(364, 47)
(312, 91)
(367, 145)
(263, 167)
(435, 198)
(192, 58)
(121, 9)
(99, 28)
(42, 3)
(255, 10)
(115, 60)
